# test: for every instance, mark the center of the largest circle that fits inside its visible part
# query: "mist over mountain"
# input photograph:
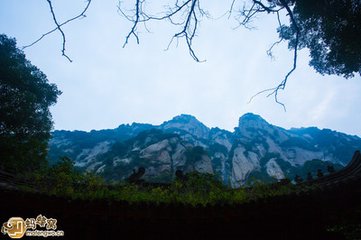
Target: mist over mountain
(255, 150)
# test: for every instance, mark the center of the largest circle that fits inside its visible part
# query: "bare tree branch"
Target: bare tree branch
(58, 27)
(282, 85)
(229, 12)
(185, 14)
(269, 51)
(249, 14)
(231, 9)
(264, 8)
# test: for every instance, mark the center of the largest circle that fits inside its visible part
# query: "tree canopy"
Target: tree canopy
(331, 31)
(25, 119)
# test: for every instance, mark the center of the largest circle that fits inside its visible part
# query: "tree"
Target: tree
(328, 28)
(25, 119)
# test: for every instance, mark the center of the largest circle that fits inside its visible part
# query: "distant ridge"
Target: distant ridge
(255, 150)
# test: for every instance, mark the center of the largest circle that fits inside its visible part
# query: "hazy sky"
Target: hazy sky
(107, 85)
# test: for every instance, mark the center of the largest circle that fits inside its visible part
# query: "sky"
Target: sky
(107, 85)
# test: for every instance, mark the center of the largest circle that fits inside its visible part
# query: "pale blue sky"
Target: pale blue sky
(107, 85)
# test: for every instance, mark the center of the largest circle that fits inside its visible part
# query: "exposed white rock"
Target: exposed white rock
(135, 149)
(307, 136)
(275, 148)
(101, 169)
(281, 134)
(219, 136)
(89, 155)
(250, 124)
(274, 170)
(224, 142)
(192, 140)
(93, 166)
(59, 142)
(242, 166)
(189, 124)
(69, 150)
(178, 157)
(261, 150)
(204, 165)
(163, 157)
(173, 140)
(299, 156)
(219, 155)
(151, 150)
(117, 161)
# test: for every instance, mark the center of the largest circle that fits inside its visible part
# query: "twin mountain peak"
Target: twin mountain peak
(254, 151)
(192, 125)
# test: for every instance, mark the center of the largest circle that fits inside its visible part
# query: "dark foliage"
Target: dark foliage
(25, 119)
(331, 31)
(194, 154)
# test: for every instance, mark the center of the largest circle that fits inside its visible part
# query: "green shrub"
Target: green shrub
(198, 189)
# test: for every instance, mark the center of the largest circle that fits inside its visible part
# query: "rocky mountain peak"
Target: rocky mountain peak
(251, 123)
(255, 150)
(187, 123)
(252, 120)
(184, 118)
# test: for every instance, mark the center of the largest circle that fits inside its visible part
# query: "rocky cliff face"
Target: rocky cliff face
(188, 124)
(256, 150)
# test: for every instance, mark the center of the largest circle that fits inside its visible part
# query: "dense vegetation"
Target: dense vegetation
(25, 119)
(62, 179)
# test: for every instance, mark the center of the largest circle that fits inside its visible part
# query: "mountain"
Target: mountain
(255, 150)
(187, 124)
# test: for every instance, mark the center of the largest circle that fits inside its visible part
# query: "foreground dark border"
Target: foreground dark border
(333, 202)
(303, 216)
